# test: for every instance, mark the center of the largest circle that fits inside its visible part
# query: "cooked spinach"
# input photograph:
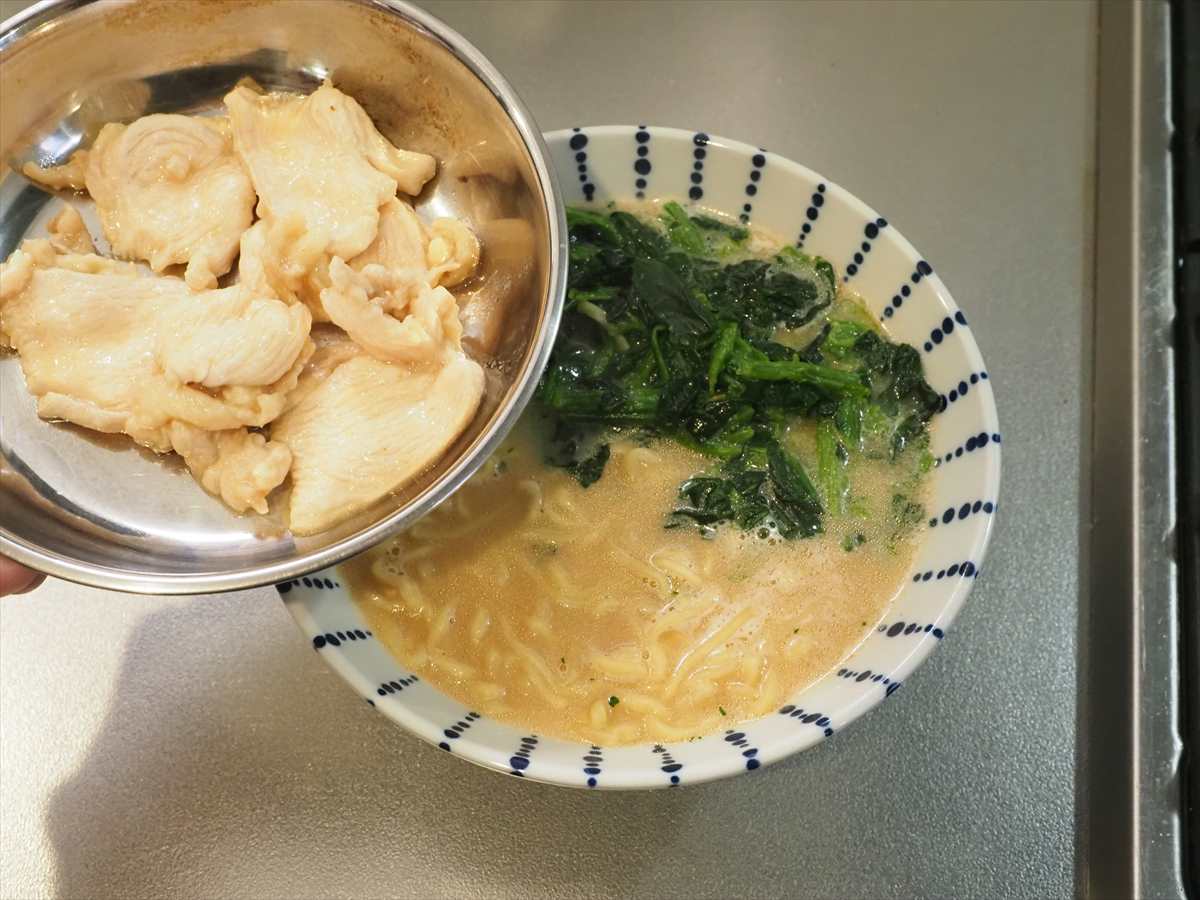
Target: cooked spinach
(588, 471)
(765, 485)
(666, 336)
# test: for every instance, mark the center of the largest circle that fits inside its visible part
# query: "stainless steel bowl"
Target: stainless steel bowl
(99, 510)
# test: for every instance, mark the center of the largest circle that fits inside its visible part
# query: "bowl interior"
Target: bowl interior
(619, 162)
(99, 510)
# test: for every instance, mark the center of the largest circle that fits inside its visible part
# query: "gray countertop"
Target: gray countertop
(197, 747)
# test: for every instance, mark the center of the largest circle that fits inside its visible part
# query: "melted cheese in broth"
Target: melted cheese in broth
(574, 613)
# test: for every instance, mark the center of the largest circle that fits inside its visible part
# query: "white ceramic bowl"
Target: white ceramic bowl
(613, 162)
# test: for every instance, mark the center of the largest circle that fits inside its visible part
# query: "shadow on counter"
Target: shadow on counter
(233, 762)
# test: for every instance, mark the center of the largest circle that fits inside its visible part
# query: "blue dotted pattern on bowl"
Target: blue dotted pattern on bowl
(870, 232)
(820, 720)
(749, 753)
(641, 163)
(960, 390)
(578, 144)
(519, 761)
(970, 445)
(396, 685)
(337, 638)
(308, 581)
(813, 213)
(903, 629)
(944, 329)
(966, 569)
(696, 192)
(593, 761)
(920, 271)
(455, 730)
(987, 507)
(668, 764)
(758, 162)
(889, 686)
(646, 162)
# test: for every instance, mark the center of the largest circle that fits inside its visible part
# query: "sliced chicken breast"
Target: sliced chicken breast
(368, 429)
(170, 190)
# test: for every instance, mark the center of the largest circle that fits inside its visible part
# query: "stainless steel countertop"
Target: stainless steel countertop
(197, 747)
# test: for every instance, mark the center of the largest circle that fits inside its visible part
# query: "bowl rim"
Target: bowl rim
(28, 22)
(712, 766)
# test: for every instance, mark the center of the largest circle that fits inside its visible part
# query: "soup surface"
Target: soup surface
(601, 578)
(574, 613)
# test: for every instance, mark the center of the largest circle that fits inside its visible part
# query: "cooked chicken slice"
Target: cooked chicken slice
(367, 430)
(232, 338)
(70, 175)
(393, 314)
(401, 241)
(16, 273)
(253, 262)
(239, 466)
(333, 347)
(68, 234)
(447, 248)
(280, 259)
(320, 158)
(110, 349)
(42, 254)
(170, 189)
(61, 407)
(256, 406)
(505, 272)
(453, 252)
